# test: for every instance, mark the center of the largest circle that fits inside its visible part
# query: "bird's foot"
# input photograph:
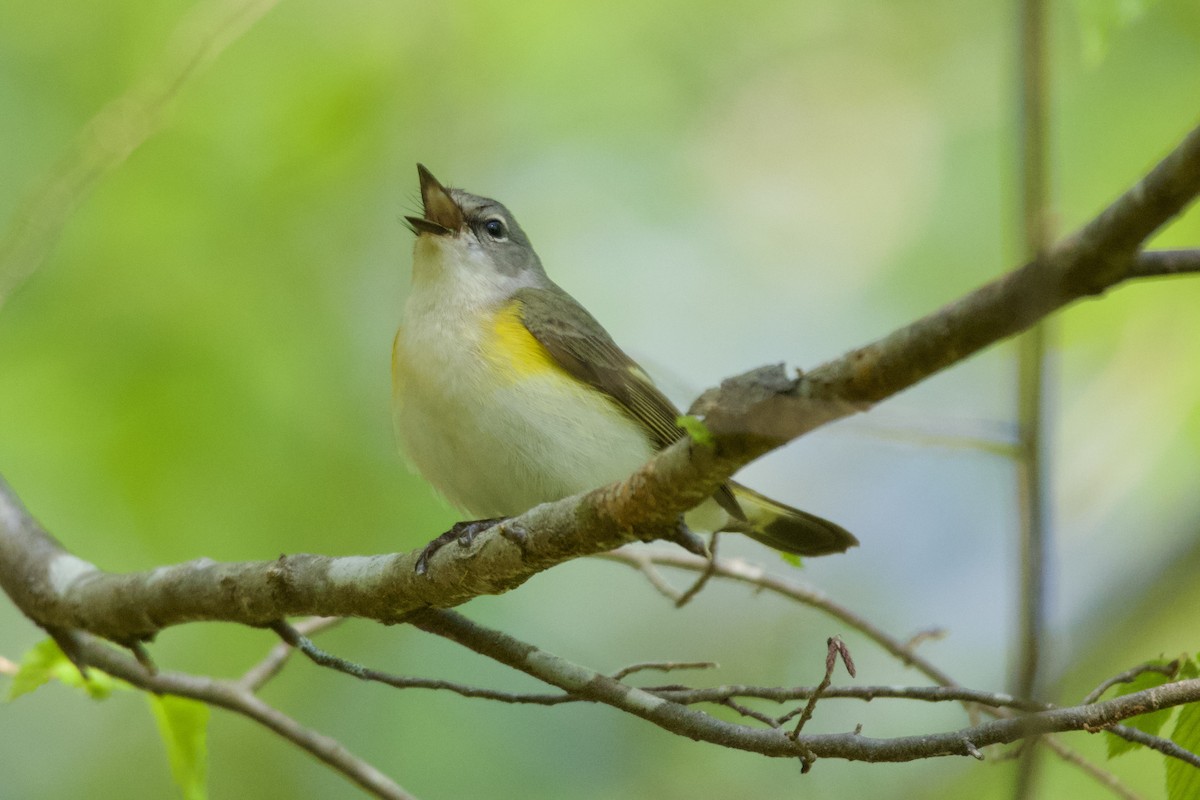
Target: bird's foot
(463, 532)
(687, 539)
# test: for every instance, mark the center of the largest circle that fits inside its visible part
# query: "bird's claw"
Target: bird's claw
(688, 540)
(463, 532)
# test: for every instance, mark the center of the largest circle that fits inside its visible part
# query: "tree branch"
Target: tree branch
(748, 416)
(1170, 670)
(759, 578)
(235, 697)
(774, 742)
(1159, 263)
(1101, 776)
(994, 703)
(1035, 533)
(257, 676)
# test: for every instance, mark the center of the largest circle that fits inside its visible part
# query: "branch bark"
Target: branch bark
(240, 699)
(681, 720)
(747, 416)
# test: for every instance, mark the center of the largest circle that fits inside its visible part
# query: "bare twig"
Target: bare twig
(657, 580)
(758, 577)
(920, 637)
(836, 648)
(684, 721)
(746, 711)
(1031, 383)
(318, 656)
(700, 583)
(257, 676)
(1160, 263)
(232, 696)
(1102, 776)
(647, 560)
(781, 694)
(1170, 670)
(1032, 378)
(1165, 746)
(722, 695)
(662, 666)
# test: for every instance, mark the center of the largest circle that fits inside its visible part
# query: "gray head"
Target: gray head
(478, 223)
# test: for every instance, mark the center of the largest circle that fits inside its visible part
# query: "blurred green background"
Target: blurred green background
(201, 366)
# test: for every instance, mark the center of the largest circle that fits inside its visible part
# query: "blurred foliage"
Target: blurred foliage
(201, 366)
(183, 725)
(45, 662)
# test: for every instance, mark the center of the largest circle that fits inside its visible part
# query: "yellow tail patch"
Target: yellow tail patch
(514, 348)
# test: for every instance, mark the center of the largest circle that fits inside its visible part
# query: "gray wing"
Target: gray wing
(584, 349)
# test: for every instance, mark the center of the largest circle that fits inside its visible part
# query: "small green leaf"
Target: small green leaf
(1183, 780)
(696, 430)
(1148, 723)
(792, 559)
(1188, 669)
(183, 725)
(36, 668)
(45, 661)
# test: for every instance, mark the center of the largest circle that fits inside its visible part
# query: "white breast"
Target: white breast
(495, 446)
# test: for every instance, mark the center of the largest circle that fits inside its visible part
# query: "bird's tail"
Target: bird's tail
(788, 529)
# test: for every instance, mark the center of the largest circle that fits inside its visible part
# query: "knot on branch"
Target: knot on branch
(281, 578)
(764, 408)
(1088, 268)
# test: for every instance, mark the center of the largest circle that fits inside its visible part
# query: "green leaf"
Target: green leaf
(1183, 780)
(1148, 723)
(36, 668)
(183, 725)
(696, 430)
(1188, 669)
(46, 661)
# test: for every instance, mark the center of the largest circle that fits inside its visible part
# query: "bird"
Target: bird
(507, 393)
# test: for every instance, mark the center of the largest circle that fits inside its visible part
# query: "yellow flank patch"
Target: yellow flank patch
(513, 347)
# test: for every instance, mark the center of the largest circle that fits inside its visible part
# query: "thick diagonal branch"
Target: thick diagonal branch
(747, 416)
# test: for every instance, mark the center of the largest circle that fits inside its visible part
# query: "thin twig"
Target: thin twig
(756, 576)
(1102, 776)
(231, 696)
(1032, 377)
(700, 583)
(320, 657)
(258, 675)
(1170, 670)
(684, 721)
(1165, 746)
(746, 711)
(836, 647)
(662, 666)
(646, 561)
(655, 578)
(1160, 263)
(920, 637)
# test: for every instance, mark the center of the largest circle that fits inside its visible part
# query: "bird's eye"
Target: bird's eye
(495, 229)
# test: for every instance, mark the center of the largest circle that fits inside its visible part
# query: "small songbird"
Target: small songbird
(508, 393)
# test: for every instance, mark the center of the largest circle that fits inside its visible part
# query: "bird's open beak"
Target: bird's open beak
(442, 215)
